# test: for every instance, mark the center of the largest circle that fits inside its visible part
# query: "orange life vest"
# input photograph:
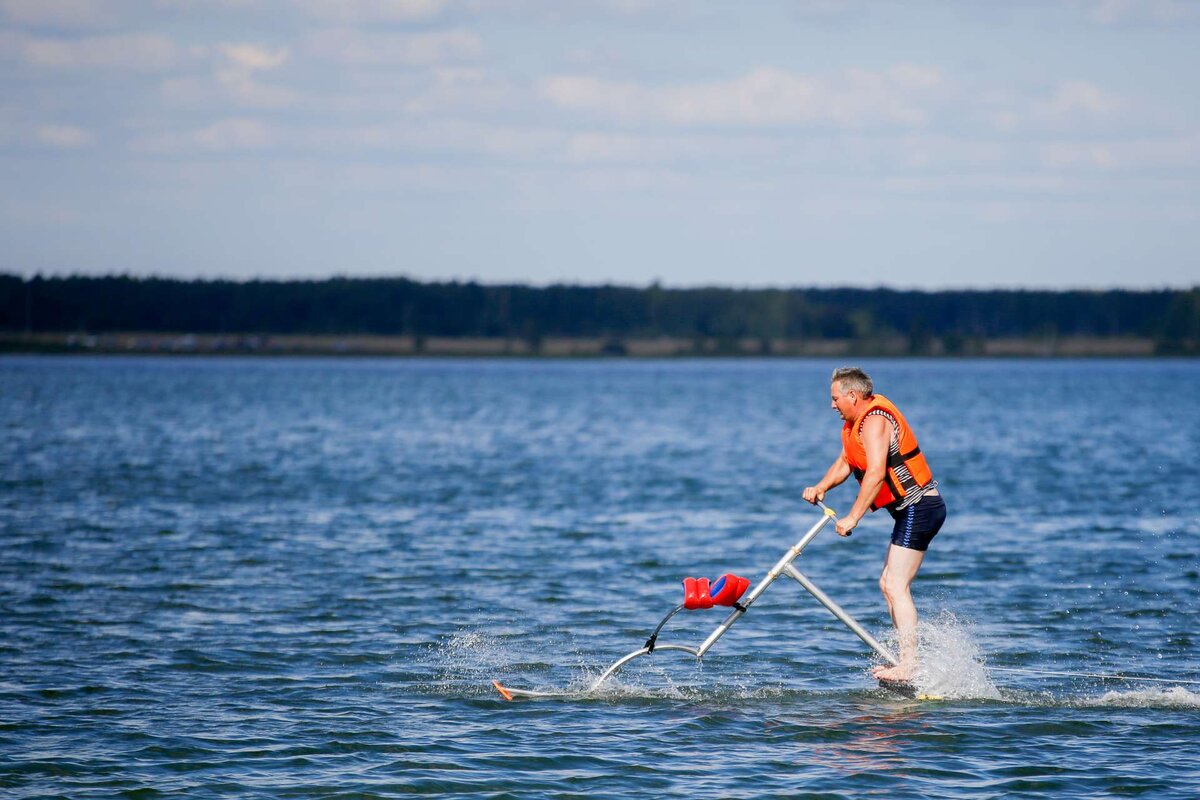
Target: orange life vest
(906, 470)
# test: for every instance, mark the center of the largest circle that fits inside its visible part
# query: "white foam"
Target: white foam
(1171, 697)
(949, 662)
(468, 661)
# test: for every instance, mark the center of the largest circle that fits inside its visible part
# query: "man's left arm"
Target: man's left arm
(876, 434)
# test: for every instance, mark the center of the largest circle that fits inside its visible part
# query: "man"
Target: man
(880, 450)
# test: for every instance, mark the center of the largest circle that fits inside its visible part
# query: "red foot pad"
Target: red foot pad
(725, 591)
(695, 593)
(728, 588)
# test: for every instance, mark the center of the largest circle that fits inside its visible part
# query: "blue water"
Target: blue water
(287, 578)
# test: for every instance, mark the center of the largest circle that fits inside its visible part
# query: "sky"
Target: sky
(935, 145)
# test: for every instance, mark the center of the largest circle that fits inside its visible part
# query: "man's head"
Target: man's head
(849, 390)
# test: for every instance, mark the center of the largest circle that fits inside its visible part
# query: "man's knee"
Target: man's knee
(893, 586)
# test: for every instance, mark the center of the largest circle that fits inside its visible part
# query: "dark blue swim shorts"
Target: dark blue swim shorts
(919, 523)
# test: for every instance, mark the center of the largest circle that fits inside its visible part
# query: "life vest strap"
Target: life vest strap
(896, 459)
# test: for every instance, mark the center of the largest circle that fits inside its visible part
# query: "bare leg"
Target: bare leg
(899, 569)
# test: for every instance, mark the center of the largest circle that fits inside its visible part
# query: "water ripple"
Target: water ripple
(297, 578)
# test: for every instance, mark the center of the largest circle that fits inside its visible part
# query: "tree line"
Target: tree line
(401, 306)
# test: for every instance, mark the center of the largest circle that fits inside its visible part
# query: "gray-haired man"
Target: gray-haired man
(881, 451)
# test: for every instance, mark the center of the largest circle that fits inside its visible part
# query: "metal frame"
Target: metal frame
(783, 567)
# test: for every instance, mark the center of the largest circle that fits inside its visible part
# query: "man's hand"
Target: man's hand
(845, 525)
(814, 495)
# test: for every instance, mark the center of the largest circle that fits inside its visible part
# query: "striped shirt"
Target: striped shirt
(912, 492)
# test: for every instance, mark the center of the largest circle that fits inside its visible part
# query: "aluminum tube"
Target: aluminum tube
(839, 612)
(766, 581)
(623, 660)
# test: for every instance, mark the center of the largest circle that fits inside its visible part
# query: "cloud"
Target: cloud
(1078, 154)
(376, 72)
(603, 147)
(58, 13)
(252, 57)
(354, 12)
(148, 52)
(354, 47)
(1174, 155)
(1080, 98)
(226, 87)
(765, 97)
(233, 80)
(1162, 12)
(64, 137)
(236, 77)
(454, 90)
(435, 138)
(1067, 104)
(20, 127)
(234, 134)
(230, 135)
(430, 140)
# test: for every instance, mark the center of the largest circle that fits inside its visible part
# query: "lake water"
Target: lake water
(295, 578)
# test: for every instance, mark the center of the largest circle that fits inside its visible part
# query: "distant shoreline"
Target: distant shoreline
(158, 343)
(402, 317)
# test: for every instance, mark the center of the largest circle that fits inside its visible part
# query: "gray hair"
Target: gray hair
(853, 379)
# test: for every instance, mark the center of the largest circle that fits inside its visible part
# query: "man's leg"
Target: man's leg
(899, 569)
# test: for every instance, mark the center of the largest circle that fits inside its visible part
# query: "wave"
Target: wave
(1168, 697)
(952, 669)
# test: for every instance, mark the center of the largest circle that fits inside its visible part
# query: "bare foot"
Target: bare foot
(887, 673)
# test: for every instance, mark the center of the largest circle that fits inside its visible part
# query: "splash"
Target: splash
(950, 664)
(467, 662)
(1172, 697)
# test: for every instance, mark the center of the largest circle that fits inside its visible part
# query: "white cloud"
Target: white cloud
(21, 127)
(1080, 98)
(1116, 12)
(1068, 104)
(430, 140)
(436, 137)
(225, 87)
(234, 134)
(352, 12)
(1175, 155)
(901, 95)
(245, 91)
(349, 46)
(1078, 154)
(61, 13)
(228, 135)
(251, 57)
(209, 4)
(135, 51)
(237, 81)
(65, 137)
(602, 147)
(453, 90)
(233, 80)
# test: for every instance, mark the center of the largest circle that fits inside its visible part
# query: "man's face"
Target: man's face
(843, 403)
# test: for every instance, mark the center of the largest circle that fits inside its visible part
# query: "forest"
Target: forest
(403, 307)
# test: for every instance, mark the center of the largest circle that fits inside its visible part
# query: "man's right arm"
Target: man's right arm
(837, 473)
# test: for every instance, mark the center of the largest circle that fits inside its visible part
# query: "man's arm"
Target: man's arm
(877, 435)
(838, 471)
